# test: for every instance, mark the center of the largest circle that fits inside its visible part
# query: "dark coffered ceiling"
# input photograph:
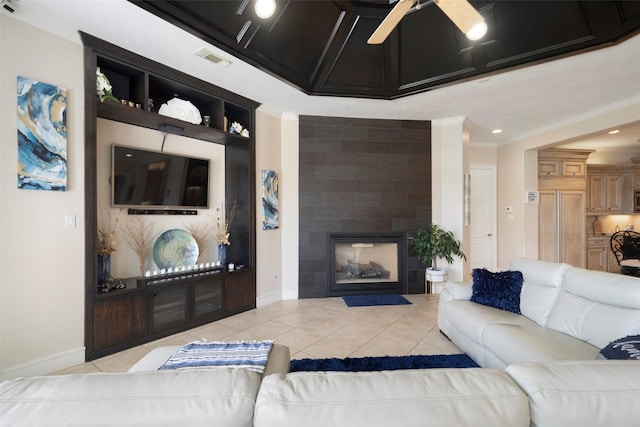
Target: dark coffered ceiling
(321, 47)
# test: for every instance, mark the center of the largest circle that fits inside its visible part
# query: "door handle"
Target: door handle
(489, 235)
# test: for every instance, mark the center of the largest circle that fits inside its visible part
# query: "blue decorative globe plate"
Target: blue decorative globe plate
(175, 248)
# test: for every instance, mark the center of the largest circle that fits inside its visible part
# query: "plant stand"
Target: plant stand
(434, 280)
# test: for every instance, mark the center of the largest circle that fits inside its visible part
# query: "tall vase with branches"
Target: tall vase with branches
(203, 235)
(106, 245)
(138, 231)
(223, 222)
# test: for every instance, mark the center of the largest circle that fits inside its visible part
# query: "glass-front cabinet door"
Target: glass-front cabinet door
(168, 307)
(207, 297)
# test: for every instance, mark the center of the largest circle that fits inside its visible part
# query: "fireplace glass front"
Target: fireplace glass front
(366, 263)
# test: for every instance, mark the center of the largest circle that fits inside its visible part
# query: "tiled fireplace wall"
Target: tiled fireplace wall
(360, 175)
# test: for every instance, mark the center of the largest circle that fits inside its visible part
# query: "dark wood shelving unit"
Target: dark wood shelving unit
(144, 311)
(139, 117)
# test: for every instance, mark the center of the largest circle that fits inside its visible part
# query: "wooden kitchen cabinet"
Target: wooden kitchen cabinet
(600, 256)
(550, 168)
(606, 185)
(573, 168)
(562, 186)
(561, 227)
(597, 254)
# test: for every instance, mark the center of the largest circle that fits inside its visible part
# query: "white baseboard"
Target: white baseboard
(45, 365)
(268, 299)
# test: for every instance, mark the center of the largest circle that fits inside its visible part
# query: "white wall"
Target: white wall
(482, 154)
(277, 250)
(268, 242)
(449, 141)
(621, 157)
(290, 202)
(510, 187)
(41, 261)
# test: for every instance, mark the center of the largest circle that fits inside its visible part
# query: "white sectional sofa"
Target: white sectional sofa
(553, 394)
(568, 313)
(539, 371)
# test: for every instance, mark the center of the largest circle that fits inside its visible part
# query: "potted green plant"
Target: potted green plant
(436, 243)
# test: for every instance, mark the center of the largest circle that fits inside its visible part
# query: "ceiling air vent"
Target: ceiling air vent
(206, 54)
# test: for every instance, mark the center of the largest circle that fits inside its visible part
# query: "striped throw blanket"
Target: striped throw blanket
(251, 355)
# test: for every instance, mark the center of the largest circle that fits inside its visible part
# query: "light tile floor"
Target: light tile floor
(312, 328)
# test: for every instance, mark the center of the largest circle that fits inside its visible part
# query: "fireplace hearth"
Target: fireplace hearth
(366, 263)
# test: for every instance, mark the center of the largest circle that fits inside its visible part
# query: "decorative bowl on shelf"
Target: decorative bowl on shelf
(182, 110)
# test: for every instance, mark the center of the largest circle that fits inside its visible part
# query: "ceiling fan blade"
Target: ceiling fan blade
(390, 21)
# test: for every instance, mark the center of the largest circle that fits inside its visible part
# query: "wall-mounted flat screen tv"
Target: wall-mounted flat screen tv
(152, 179)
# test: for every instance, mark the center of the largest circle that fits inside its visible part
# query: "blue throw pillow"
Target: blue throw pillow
(623, 348)
(500, 290)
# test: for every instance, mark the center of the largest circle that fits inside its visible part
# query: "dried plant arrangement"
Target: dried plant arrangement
(223, 221)
(107, 225)
(138, 231)
(202, 233)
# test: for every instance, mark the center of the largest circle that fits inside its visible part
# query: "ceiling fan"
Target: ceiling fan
(461, 13)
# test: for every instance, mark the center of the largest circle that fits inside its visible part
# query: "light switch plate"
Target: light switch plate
(70, 221)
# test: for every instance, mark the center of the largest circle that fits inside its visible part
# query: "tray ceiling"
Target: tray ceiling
(320, 47)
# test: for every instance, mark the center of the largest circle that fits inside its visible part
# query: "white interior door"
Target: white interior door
(483, 224)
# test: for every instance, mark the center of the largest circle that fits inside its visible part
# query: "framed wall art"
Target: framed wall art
(42, 136)
(270, 213)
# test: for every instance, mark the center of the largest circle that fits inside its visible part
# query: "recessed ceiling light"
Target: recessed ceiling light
(477, 32)
(613, 132)
(265, 8)
(496, 131)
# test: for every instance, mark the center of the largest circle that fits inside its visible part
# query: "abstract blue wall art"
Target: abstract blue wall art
(270, 215)
(42, 136)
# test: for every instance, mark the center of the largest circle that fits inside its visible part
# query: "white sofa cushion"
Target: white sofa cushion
(195, 397)
(612, 289)
(540, 287)
(597, 307)
(520, 343)
(458, 290)
(581, 393)
(471, 318)
(429, 397)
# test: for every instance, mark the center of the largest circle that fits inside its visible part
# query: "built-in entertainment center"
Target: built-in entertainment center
(146, 310)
